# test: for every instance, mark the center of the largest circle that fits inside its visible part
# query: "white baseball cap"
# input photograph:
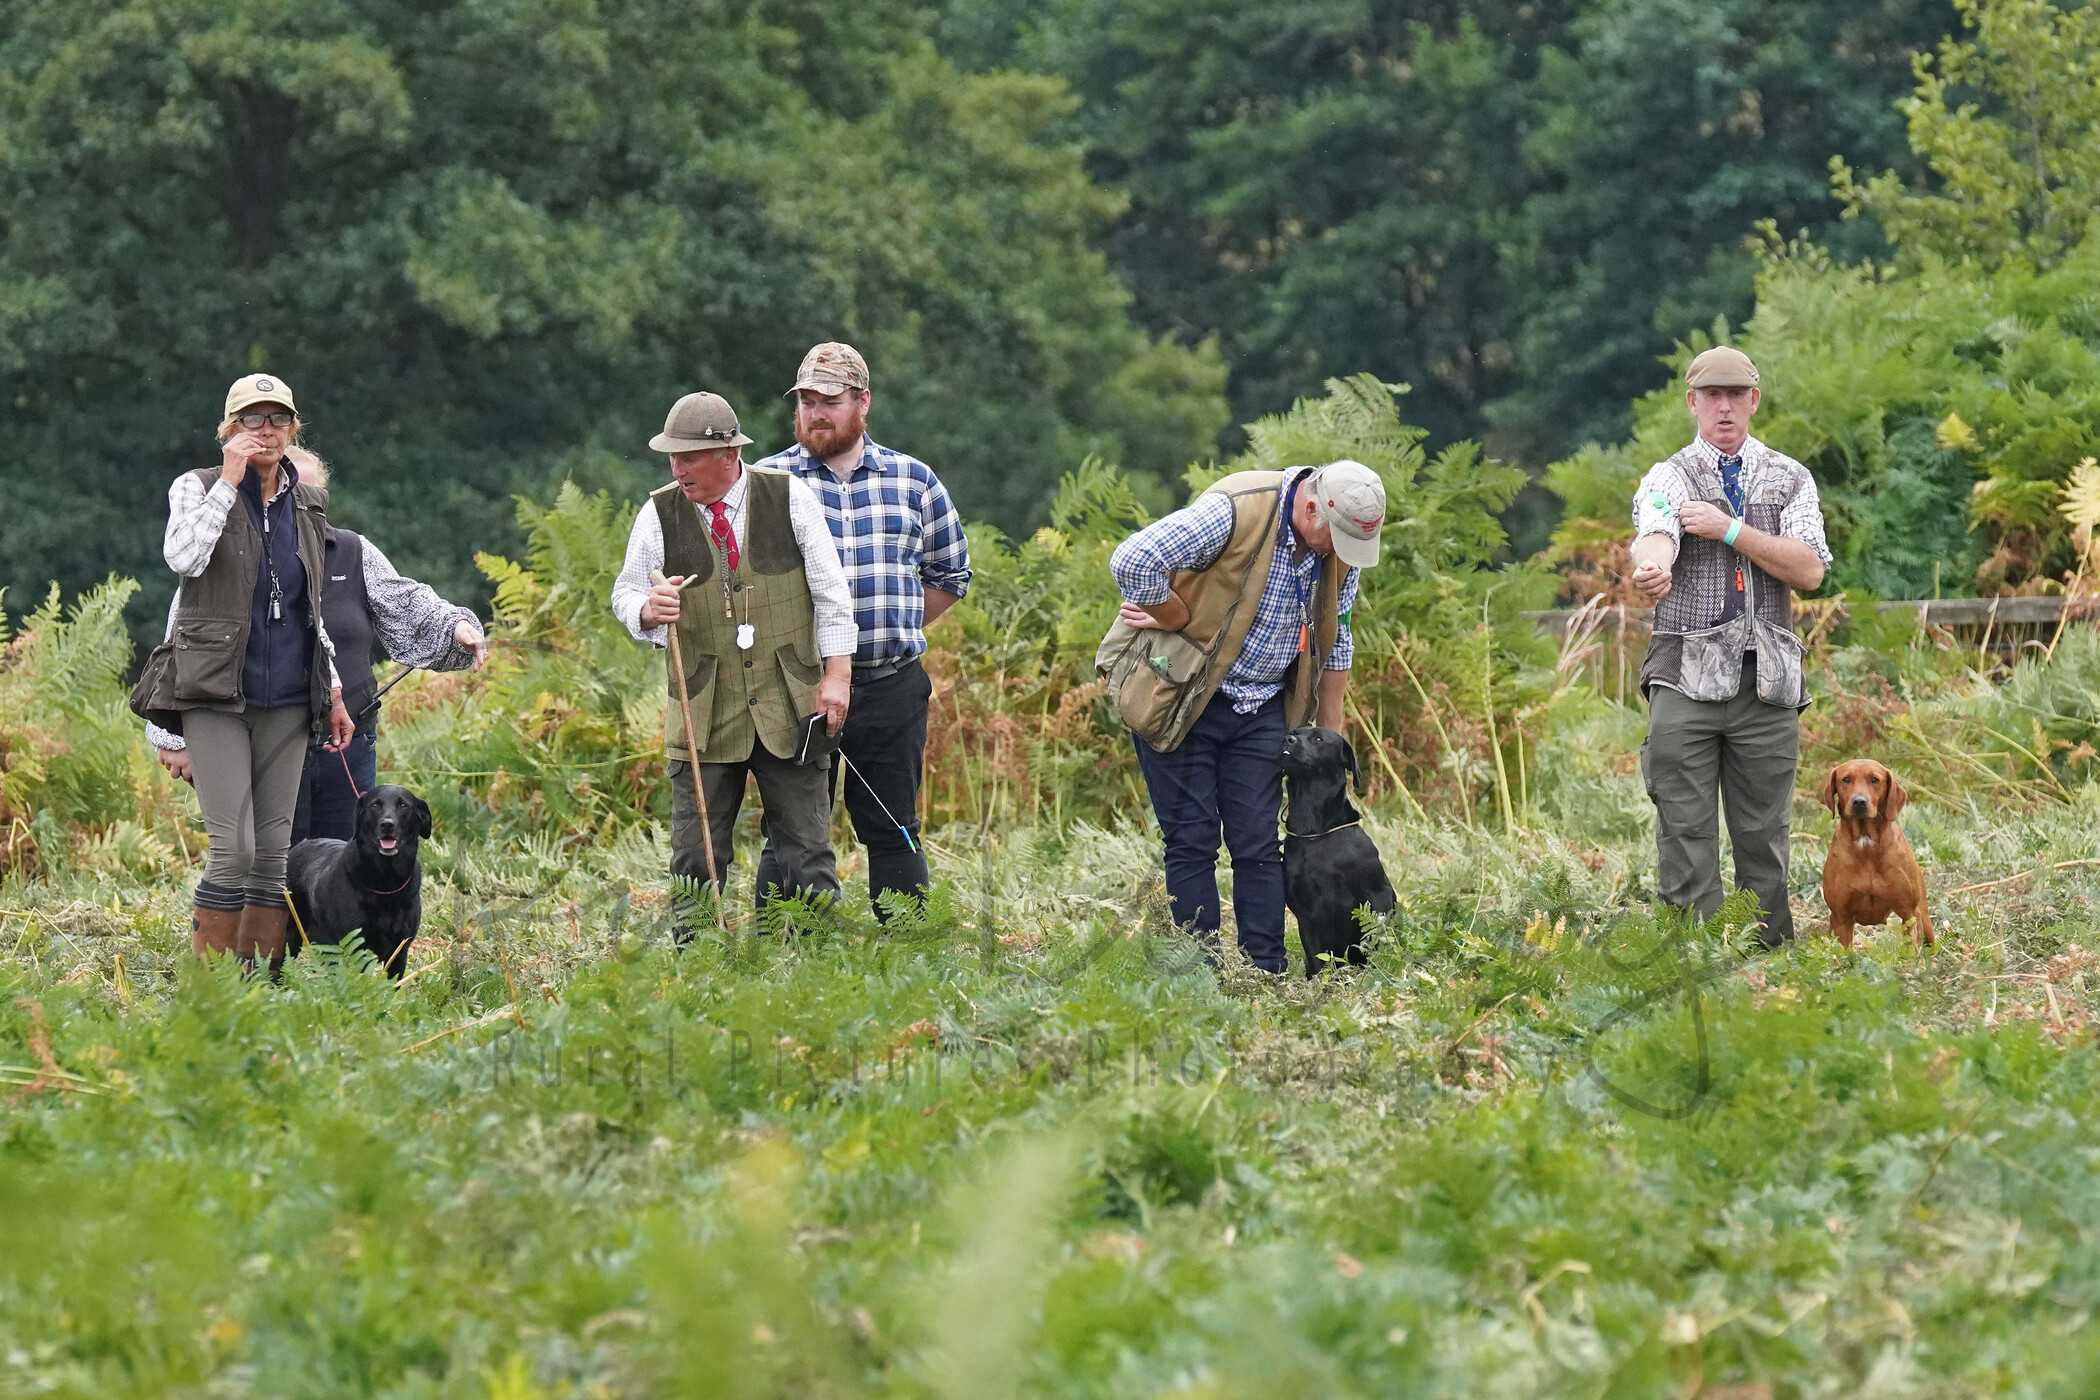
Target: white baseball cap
(1352, 498)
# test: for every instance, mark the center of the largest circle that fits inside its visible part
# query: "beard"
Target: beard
(827, 442)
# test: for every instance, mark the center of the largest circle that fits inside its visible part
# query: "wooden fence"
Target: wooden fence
(1608, 640)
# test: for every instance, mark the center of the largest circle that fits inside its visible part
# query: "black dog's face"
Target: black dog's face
(1310, 752)
(391, 820)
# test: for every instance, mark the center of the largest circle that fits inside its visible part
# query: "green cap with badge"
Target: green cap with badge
(698, 422)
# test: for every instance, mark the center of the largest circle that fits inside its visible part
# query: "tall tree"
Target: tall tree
(490, 243)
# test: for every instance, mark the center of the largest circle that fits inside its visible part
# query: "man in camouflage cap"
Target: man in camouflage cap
(907, 562)
(1724, 531)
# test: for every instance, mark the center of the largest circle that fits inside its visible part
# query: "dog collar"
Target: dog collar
(1316, 835)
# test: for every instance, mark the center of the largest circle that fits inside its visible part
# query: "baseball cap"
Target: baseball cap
(698, 422)
(1352, 498)
(832, 368)
(1723, 367)
(258, 388)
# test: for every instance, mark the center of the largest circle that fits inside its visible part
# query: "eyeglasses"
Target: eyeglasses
(256, 420)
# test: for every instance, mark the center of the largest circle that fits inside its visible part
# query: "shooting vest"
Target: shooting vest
(740, 696)
(201, 664)
(1707, 623)
(1161, 681)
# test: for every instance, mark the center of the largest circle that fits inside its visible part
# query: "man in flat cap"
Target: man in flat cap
(765, 629)
(1724, 531)
(1210, 687)
(907, 562)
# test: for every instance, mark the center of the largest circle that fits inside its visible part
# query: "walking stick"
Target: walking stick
(692, 753)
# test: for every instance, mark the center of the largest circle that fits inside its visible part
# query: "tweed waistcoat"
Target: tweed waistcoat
(1706, 624)
(741, 696)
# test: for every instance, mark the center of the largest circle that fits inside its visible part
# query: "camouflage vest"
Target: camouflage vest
(1709, 620)
(740, 695)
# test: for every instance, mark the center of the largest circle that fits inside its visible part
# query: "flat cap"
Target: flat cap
(832, 368)
(698, 422)
(1723, 367)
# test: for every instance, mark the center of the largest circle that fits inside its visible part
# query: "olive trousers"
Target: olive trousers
(1744, 753)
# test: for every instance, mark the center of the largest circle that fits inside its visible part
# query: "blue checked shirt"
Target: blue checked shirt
(1193, 538)
(897, 534)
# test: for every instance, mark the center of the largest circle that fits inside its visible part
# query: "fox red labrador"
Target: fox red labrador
(1870, 873)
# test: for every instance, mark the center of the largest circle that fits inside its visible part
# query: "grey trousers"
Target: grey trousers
(796, 821)
(1745, 752)
(247, 768)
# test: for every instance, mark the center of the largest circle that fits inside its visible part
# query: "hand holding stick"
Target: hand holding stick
(692, 751)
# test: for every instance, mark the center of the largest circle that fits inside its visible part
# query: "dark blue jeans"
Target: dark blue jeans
(327, 804)
(1226, 778)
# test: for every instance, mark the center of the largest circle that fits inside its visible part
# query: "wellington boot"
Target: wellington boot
(214, 930)
(262, 937)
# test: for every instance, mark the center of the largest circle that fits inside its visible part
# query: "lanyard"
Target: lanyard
(1299, 587)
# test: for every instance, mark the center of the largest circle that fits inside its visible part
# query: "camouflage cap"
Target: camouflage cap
(253, 389)
(1723, 367)
(698, 422)
(832, 368)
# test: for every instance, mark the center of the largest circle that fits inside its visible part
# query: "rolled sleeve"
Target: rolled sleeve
(1802, 518)
(1189, 539)
(945, 563)
(645, 553)
(1656, 502)
(1342, 655)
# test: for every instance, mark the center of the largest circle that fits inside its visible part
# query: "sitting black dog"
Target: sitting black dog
(1330, 865)
(372, 884)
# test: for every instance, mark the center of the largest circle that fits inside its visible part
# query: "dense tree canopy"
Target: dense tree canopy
(1517, 206)
(488, 244)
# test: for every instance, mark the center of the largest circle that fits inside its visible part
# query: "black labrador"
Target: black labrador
(1330, 864)
(372, 884)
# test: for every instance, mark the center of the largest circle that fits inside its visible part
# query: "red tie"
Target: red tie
(724, 536)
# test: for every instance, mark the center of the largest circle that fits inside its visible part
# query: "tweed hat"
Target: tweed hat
(258, 388)
(832, 368)
(698, 422)
(1352, 498)
(1723, 367)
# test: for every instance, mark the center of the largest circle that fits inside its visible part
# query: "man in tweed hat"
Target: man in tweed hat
(1724, 531)
(765, 629)
(907, 562)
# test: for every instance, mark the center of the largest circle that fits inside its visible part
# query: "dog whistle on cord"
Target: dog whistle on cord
(692, 754)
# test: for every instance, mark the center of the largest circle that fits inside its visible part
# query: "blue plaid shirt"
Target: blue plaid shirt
(1193, 538)
(898, 535)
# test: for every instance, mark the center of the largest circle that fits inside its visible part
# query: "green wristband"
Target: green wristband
(1735, 527)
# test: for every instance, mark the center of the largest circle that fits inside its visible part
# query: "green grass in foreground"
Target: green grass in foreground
(1030, 1144)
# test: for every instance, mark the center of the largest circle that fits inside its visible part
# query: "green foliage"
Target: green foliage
(1515, 207)
(2007, 123)
(73, 778)
(490, 244)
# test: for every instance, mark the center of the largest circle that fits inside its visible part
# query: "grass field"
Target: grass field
(1031, 1144)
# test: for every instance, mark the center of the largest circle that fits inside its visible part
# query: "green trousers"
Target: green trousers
(1745, 753)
